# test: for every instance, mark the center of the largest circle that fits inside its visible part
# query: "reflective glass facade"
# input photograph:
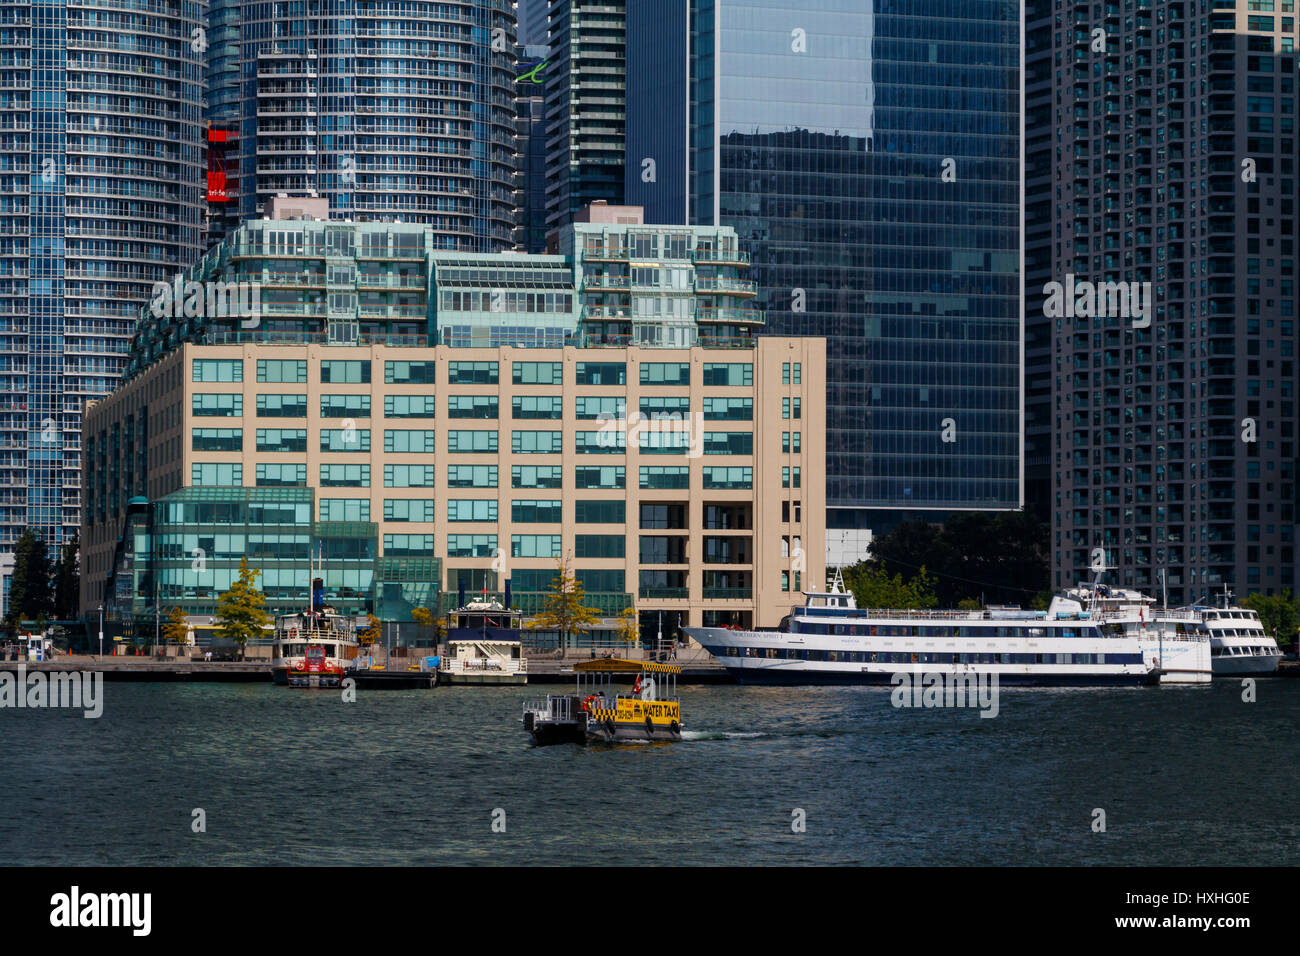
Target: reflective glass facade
(820, 133)
(101, 160)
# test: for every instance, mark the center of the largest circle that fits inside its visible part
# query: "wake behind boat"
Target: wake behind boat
(1091, 635)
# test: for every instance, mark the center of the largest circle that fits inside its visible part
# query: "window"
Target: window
(345, 406)
(716, 477)
(602, 373)
(282, 371)
(409, 373)
(536, 443)
(408, 545)
(217, 406)
(535, 476)
(601, 406)
(670, 406)
(472, 509)
(600, 511)
(409, 476)
(471, 545)
(471, 373)
(408, 509)
(535, 545)
(789, 410)
(217, 370)
(410, 406)
(345, 509)
(675, 442)
(596, 580)
(735, 373)
(787, 474)
(538, 373)
(281, 475)
(665, 476)
(345, 439)
(610, 476)
(345, 476)
(471, 406)
(729, 409)
(216, 473)
(665, 373)
(282, 406)
(471, 442)
(785, 373)
(344, 371)
(728, 443)
(217, 439)
(536, 511)
(413, 440)
(599, 545)
(603, 442)
(537, 406)
(788, 446)
(471, 476)
(282, 439)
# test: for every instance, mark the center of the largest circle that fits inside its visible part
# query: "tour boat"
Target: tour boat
(484, 646)
(1238, 642)
(313, 648)
(598, 712)
(1090, 635)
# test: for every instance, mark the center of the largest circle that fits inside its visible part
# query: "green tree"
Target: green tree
(1279, 613)
(30, 595)
(563, 609)
(629, 626)
(177, 627)
(872, 587)
(241, 611)
(67, 582)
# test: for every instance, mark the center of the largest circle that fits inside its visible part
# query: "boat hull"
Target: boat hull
(1259, 665)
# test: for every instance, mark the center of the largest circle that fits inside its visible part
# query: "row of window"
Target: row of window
(291, 474)
(522, 511)
(294, 371)
(588, 407)
(904, 657)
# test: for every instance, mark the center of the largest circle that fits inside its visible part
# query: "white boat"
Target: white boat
(1238, 642)
(1088, 636)
(484, 646)
(313, 648)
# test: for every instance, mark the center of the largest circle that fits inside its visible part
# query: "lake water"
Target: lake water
(1189, 776)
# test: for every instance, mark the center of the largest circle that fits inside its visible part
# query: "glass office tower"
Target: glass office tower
(101, 171)
(401, 111)
(868, 155)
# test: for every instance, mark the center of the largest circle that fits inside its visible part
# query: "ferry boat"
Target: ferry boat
(1090, 635)
(313, 648)
(597, 712)
(1238, 642)
(484, 646)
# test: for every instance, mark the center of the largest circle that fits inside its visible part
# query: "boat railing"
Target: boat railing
(555, 707)
(513, 665)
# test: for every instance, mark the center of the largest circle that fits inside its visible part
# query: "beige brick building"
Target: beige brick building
(684, 481)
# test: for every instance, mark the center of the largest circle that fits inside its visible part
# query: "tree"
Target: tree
(30, 595)
(373, 632)
(872, 587)
(241, 611)
(629, 626)
(563, 609)
(1279, 613)
(422, 616)
(177, 628)
(67, 582)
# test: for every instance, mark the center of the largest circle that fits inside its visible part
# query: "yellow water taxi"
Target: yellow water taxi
(649, 710)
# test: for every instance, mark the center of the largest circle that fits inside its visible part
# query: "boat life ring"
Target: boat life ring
(586, 704)
(609, 728)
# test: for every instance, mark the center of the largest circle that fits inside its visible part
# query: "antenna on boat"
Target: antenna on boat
(1227, 595)
(837, 581)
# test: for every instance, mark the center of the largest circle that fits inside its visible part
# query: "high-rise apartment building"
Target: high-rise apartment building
(402, 111)
(585, 121)
(1169, 167)
(869, 160)
(101, 195)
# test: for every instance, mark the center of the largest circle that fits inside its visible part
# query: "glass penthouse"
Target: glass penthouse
(608, 405)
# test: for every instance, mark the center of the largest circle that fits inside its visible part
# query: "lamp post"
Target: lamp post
(101, 632)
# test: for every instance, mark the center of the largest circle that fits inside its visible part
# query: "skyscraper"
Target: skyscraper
(1172, 169)
(584, 106)
(101, 171)
(870, 162)
(401, 111)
